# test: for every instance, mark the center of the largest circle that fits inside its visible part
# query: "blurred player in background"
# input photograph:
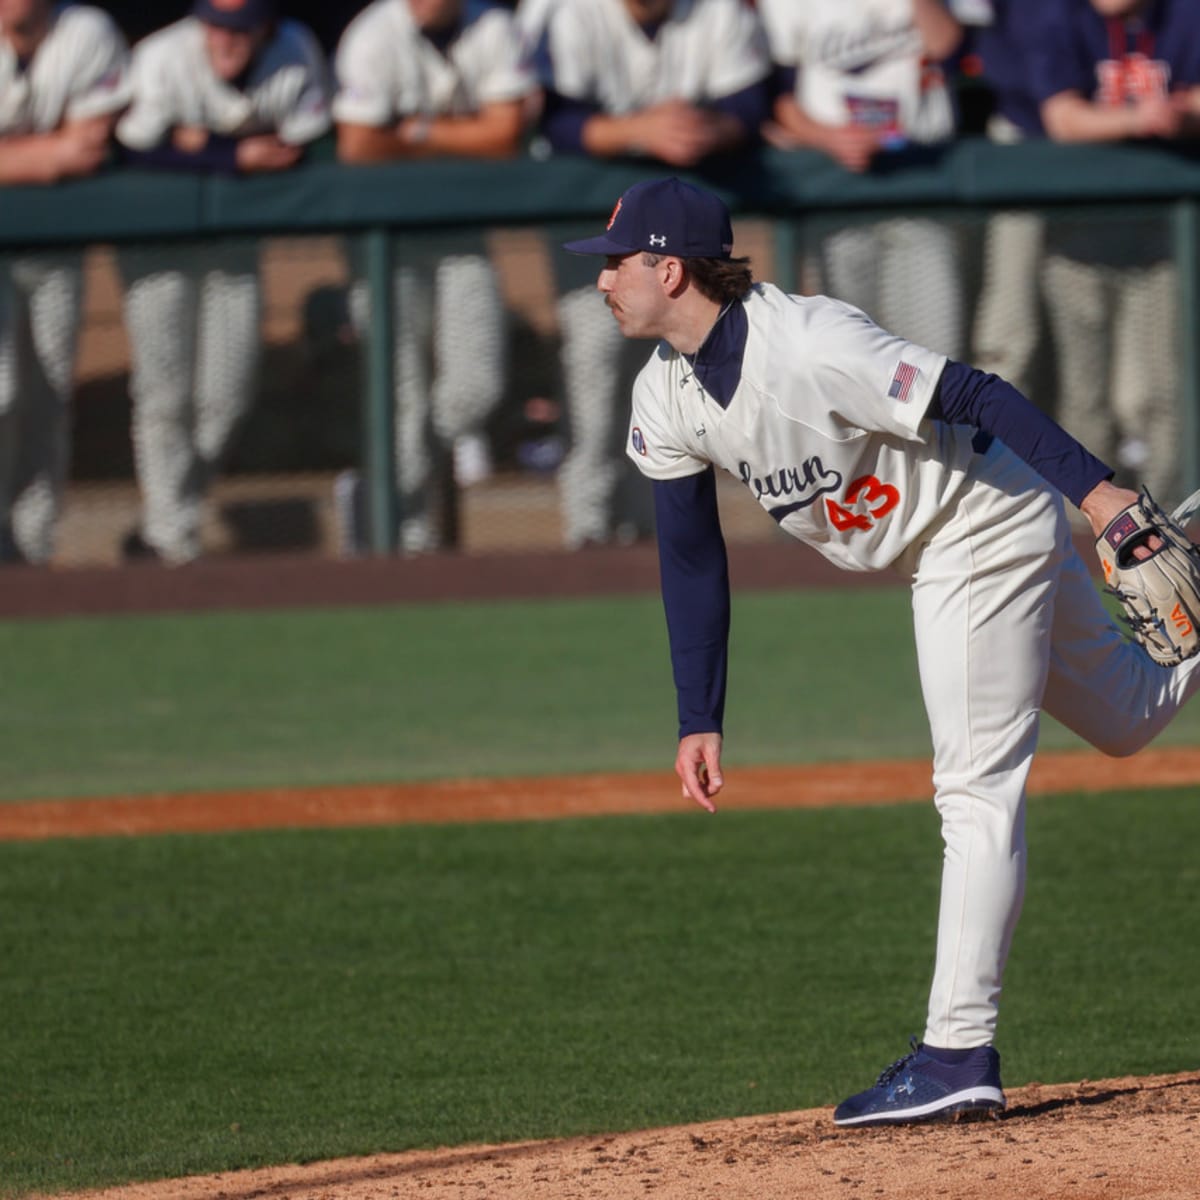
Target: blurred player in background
(63, 82)
(1008, 327)
(859, 79)
(421, 79)
(1111, 71)
(232, 89)
(678, 81)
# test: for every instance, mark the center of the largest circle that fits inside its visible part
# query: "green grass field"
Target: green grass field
(113, 705)
(184, 1004)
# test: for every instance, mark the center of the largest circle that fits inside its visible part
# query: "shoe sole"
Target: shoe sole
(974, 1104)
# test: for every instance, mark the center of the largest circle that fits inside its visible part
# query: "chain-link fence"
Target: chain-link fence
(221, 400)
(486, 338)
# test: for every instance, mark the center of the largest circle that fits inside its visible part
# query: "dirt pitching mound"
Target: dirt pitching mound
(1104, 1140)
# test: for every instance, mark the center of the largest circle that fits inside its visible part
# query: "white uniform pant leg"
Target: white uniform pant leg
(1102, 686)
(592, 348)
(52, 287)
(11, 317)
(413, 297)
(983, 602)
(920, 292)
(469, 347)
(1144, 391)
(161, 307)
(1079, 309)
(412, 331)
(1007, 326)
(850, 261)
(228, 349)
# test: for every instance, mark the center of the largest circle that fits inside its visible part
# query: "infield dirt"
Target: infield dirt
(1114, 1139)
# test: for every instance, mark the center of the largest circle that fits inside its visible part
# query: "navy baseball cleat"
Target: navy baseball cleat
(920, 1087)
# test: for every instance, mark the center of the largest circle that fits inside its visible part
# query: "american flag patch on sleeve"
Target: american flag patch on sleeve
(902, 381)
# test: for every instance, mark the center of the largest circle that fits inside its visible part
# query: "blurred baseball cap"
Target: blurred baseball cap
(242, 15)
(664, 216)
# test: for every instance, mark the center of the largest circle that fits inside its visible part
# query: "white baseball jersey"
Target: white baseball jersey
(286, 91)
(532, 17)
(387, 69)
(80, 70)
(855, 470)
(860, 62)
(704, 50)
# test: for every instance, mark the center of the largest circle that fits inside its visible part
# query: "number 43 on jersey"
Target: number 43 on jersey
(878, 499)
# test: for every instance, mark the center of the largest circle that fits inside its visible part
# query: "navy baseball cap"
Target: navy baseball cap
(242, 15)
(664, 216)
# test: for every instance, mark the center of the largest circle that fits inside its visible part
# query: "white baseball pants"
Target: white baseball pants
(192, 314)
(450, 366)
(1008, 324)
(592, 343)
(1116, 338)
(40, 299)
(1008, 624)
(902, 272)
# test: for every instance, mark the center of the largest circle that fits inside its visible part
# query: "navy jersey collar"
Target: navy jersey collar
(717, 365)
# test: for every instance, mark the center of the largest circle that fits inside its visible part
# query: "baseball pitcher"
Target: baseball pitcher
(885, 455)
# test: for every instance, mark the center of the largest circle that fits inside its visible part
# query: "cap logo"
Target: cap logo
(657, 216)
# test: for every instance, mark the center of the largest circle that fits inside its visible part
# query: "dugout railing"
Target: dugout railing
(790, 194)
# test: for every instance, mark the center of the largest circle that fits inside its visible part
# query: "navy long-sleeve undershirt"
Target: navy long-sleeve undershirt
(695, 591)
(966, 396)
(218, 157)
(563, 118)
(692, 556)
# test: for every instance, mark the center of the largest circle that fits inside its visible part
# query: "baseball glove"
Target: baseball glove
(1160, 594)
